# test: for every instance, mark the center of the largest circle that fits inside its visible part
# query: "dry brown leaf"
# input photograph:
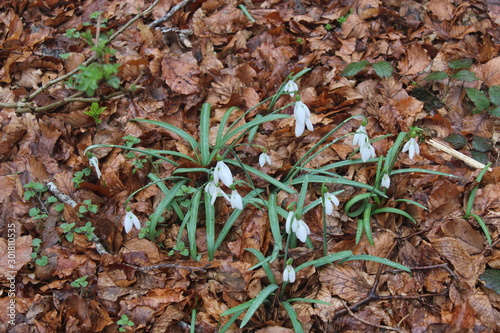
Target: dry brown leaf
(181, 73)
(345, 281)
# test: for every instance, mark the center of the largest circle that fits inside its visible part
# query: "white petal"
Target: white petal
(360, 136)
(263, 159)
(328, 207)
(300, 111)
(309, 125)
(302, 231)
(299, 128)
(386, 181)
(94, 162)
(291, 87)
(333, 199)
(223, 173)
(367, 151)
(236, 201)
(131, 220)
(289, 274)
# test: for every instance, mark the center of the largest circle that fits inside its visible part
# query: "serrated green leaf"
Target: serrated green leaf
(494, 93)
(465, 75)
(495, 112)
(354, 68)
(382, 68)
(478, 98)
(457, 140)
(480, 157)
(481, 144)
(491, 279)
(460, 63)
(436, 76)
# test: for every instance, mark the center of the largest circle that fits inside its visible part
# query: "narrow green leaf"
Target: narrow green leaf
(436, 76)
(412, 202)
(204, 134)
(465, 75)
(257, 302)
(307, 300)
(483, 227)
(210, 225)
(383, 69)
(264, 176)
(297, 326)
(367, 223)
(183, 134)
(231, 321)
(325, 260)
(192, 223)
(239, 308)
(460, 63)
(394, 211)
(274, 222)
(265, 264)
(384, 261)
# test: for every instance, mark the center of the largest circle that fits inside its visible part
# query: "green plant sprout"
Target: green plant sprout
(95, 112)
(123, 322)
(81, 282)
(87, 207)
(87, 230)
(68, 229)
(36, 190)
(42, 260)
(79, 175)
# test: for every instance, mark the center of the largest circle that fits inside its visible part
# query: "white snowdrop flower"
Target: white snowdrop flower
(302, 118)
(302, 230)
(289, 274)
(386, 180)
(291, 87)
(367, 151)
(131, 220)
(263, 159)
(411, 147)
(223, 173)
(94, 162)
(330, 200)
(214, 190)
(236, 201)
(360, 137)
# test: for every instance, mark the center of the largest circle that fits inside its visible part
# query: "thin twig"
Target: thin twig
(64, 198)
(466, 159)
(382, 327)
(172, 11)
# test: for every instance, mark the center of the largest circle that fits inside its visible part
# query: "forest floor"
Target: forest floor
(71, 78)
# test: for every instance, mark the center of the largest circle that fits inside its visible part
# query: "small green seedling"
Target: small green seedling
(124, 321)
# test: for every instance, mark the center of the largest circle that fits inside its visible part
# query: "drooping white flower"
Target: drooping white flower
(386, 180)
(236, 201)
(291, 87)
(131, 220)
(94, 162)
(330, 200)
(411, 147)
(263, 159)
(290, 219)
(302, 230)
(302, 118)
(214, 190)
(223, 173)
(360, 137)
(367, 151)
(289, 274)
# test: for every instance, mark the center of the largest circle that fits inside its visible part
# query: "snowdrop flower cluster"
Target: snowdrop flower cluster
(291, 87)
(298, 226)
(330, 201)
(131, 220)
(289, 274)
(365, 148)
(223, 173)
(94, 162)
(411, 147)
(263, 159)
